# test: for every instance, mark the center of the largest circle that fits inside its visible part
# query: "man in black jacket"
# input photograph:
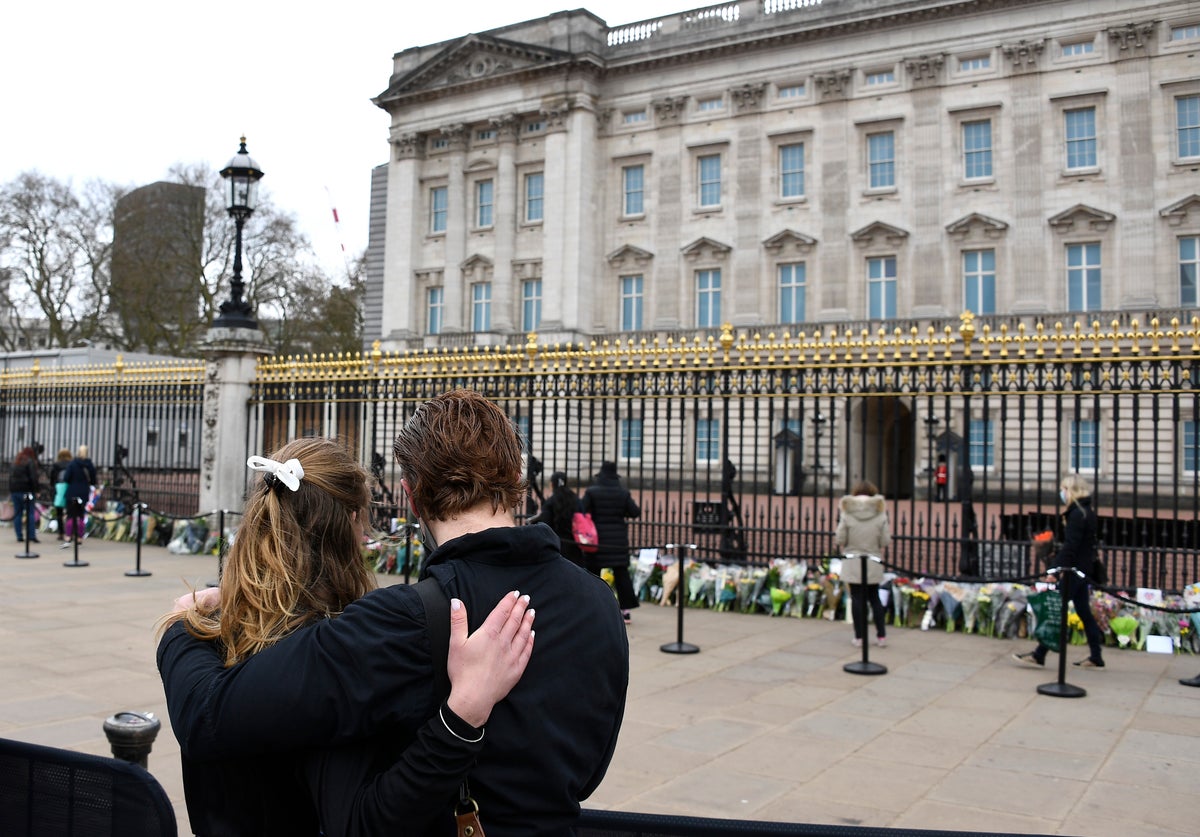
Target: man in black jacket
(370, 671)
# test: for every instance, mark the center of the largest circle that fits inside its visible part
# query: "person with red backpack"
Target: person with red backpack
(558, 512)
(610, 504)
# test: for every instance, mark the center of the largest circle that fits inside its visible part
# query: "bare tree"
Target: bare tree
(54, 253)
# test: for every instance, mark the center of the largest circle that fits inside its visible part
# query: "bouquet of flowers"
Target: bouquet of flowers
(1008, 616)
(1075, 626)
(813, 595)
(950, 598)
(970, 607)
(1125, 628)
(727, 598)
(919, 601)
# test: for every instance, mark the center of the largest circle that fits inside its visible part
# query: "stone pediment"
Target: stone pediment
(789, 241)
(1083, 216)
(469, 59)
(705, 247)
(627, 254)
(876, 230)
(964, 226)
(1177, 213)
(476, 268)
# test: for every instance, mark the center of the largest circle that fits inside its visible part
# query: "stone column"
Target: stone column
(230, 356)
(746, 296)
(458, 222)
(1034, 284)
(832, 300)
(508, 186)
(556, 275)
(931, 287)
(665, 175)
(401, 314)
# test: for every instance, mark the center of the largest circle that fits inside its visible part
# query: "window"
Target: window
(485, 134)
(791, 170)
(881, 287)
(437, 209)
(1081, 138)
(535, 184)
(1189, 270)
(979, 281)
(483, 203)
(151, 436)
(1187, 126)
(631, 303)
(708, 298)
(632, 117)
(716, 103)
(1078, 48)
(1191, 446)
(481, 306)
(708, 440)
(534, 127)
(792, 91)
(791, 292)
(1084, 444)
(1083, 277)
(531, 305)
(978, 62)
(981, 450)
(434, 302)
(1185, 33)
(183, 436)
(634, 178)
(440, 143)
(881, 160)
(977, 149)
(709, 171)
(523, 425)
(881, 77)
(631, 438)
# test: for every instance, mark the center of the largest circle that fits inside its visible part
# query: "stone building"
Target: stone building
(787, 164)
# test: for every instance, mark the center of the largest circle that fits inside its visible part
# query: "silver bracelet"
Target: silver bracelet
(455, 734)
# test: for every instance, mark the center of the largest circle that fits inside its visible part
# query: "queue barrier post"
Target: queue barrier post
(864, 666)
(1061, 688)
(679, 646)
(137, 571)
(77, 534)
(29, 504)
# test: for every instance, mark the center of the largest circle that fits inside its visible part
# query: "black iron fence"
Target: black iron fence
(744, 443)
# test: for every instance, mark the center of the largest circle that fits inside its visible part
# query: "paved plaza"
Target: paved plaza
(761, 724)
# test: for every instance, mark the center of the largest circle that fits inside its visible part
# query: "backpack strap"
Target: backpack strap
(437, 625)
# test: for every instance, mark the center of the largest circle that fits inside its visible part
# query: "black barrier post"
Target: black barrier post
(131, 735)
(1061, 688)
(29, 498)
(221, 543)
(137, 540)
(865, 666)
(679, 646)
(75, 538)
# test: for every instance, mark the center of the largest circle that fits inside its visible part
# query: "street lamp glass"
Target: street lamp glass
(241, 175)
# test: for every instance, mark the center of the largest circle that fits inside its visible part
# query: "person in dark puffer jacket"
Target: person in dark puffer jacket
(610, 504)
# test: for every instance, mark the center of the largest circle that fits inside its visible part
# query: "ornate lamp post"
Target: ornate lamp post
(241, 176)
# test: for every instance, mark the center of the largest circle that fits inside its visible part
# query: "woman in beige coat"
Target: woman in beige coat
(863, 527)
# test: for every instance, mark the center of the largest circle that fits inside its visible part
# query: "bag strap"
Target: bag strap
(437, 624)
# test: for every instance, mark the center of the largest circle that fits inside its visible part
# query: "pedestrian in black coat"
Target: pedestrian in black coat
(558, 511)
(610, 504)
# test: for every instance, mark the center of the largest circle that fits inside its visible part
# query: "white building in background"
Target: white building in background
(787, 163)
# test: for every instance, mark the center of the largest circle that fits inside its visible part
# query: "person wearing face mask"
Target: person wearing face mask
(1078, 550)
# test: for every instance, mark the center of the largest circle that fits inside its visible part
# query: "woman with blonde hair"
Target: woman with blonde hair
(296, 562)
(1078, 551)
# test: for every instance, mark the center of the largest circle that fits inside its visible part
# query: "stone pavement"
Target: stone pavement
(761, 724)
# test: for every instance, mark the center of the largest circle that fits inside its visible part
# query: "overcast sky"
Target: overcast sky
(120, 91)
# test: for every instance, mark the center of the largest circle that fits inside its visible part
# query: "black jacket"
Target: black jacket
(24, 478)
(559, 519)
(547, 745)
(80, 476)
(610, 504)
(1079, 536)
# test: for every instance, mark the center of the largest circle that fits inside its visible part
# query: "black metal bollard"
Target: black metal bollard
(679, 646)
(131, 735)
(78, 534)
(29, 506)
(1060, 687)
(137, 571)
(864, 666)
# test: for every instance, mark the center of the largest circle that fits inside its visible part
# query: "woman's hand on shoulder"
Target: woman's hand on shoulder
(484, 666)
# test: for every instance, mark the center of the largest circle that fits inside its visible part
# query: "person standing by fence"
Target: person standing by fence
(1078, 551)
(58, 478)
(863, 527)
(79, 476)
(557, 512)
(23, 483)
(610, 504)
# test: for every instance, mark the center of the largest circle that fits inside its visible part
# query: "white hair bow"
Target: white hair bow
(289, 473)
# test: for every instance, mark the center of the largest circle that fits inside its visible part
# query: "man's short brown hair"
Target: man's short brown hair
(459, 450)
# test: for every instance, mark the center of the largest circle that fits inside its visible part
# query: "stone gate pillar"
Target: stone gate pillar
(230, 356)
